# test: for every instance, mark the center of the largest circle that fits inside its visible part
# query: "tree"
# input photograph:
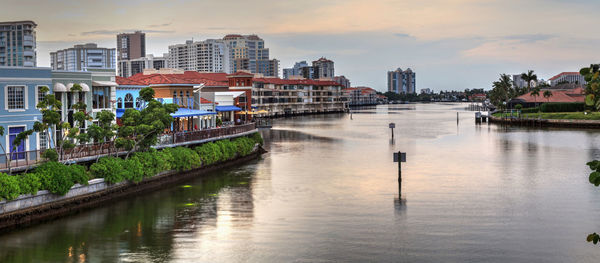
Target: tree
(503, 90)
(535, 93)
(140, 129)
(529, 77)
(592, 89)
(547, 95)
(49, 106)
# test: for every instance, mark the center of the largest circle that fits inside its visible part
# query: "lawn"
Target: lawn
(559, 115)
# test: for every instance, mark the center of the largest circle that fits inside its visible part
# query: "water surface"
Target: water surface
(327, 192)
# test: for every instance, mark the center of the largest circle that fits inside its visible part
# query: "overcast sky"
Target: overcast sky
(451, 44)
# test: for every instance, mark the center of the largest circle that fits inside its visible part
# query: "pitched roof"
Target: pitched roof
(563, 74)
(127, 81)
(571, 95)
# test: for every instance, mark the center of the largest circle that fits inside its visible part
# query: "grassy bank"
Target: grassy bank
(556, 115)
(58, 178)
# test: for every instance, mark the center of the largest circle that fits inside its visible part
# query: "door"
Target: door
(19, 151)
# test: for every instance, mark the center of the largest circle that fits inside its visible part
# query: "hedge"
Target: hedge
(58, 178)
(531, 110)
(562, 107)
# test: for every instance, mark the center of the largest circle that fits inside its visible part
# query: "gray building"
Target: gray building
(83, 57)
(211, 55)
(248, 53)
(345, 82)
(323, 68)
(402, 81)
(294, 71)
(128, 68)
(17, 44)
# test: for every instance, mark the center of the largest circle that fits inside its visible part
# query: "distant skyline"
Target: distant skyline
(454, 44)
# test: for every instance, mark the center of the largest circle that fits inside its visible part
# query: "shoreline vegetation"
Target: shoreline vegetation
(552, 115)
(59, 178)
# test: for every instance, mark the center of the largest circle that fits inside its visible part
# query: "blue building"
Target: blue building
(20, 89)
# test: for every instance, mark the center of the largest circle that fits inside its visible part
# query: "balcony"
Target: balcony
(28, 43)
(28, 53)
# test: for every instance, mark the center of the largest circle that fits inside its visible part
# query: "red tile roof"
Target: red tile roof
(573, 95)
(563, 74)
(127, 81)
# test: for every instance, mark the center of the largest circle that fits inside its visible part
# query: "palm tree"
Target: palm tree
(503, 88)
(529, 76)
(535, 93)
(547, 95)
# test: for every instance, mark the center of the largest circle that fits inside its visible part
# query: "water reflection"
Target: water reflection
(143, 228)
(324, 192)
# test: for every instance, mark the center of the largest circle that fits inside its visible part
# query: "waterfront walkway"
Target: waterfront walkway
(84, 153)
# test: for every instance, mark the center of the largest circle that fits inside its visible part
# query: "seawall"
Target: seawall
(31, 209)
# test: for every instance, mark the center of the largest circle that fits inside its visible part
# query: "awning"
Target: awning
(227, 108)
(185, 112)
(104, 83)
(59, 87)
(84, 87)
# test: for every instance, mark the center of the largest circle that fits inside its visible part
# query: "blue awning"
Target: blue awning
(185, 112)
(228, 108)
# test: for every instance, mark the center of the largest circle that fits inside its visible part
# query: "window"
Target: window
(19, 152)
(138, 102)
(100, 97)
(128, 101)
(43, 137)
(120, 103)
(15, 97)
(41, 95)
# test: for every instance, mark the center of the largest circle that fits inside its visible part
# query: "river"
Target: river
(327, 191)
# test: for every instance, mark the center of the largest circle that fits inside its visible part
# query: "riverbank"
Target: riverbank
(543, 122)
(32, 209)
(557, 115)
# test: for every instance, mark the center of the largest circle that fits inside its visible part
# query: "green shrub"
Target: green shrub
(148, 162)
(209, 153)
(228, 149)
(562, 107)
(50, 155)
(29, 183)
(79, 174)
(109, 168)
(133, 170)
(9, 187)
(165, 160)
(257, 138)
(244, 145)
(184, 158)
(55, 177)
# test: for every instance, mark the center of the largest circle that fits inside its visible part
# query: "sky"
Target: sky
(450, 44)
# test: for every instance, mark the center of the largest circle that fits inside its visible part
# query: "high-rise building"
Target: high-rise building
(131, 45)
(294, 71)
(83, 57)
(131, 67)
(343, 81)
(17, 44)
(402, 81)
(249, 53)
(568, 77)
(211, 55)
(323, 69)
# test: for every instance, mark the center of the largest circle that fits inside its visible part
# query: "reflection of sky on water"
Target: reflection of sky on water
(327, 191)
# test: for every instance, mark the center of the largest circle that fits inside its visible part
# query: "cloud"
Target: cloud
(114, 32)
(529, 38)
(160, 25)
(403, 35)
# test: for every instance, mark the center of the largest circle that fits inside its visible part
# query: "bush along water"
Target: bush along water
(58, 178)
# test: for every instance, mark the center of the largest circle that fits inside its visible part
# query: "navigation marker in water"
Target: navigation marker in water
(400, 158)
